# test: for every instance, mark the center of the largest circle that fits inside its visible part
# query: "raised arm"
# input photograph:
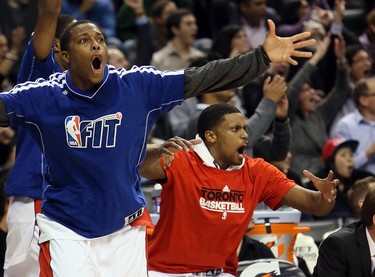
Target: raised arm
(44, 33)
(258, 124)
(318, 203)
(231, 73)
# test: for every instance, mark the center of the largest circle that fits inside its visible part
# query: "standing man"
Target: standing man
(91, 123)
(24, 186)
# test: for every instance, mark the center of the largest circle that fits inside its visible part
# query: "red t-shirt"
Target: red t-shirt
(205, 211)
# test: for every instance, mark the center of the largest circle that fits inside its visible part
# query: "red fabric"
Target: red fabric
(45, 260)
(205, 211)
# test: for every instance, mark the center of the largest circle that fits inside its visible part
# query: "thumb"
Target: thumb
(271, 27)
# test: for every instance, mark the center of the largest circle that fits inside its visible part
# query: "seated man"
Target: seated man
(209, 194)
(350, 252)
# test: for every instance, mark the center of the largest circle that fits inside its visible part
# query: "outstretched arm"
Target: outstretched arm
(44, 33)
(234, 72)
(319, 202)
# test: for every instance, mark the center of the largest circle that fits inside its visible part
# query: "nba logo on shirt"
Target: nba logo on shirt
(73, 132)
(92, 133)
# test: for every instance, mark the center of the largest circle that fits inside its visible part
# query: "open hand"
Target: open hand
(326, 186)
(281, 49)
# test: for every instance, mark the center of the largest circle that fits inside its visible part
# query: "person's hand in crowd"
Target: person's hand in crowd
(174, 145)
(322, 16)
(137, 6)
(282, 108)
(86, 5)
(274, 88)
(339, 11)
(321, 50)
(340, 48)
(6, 135)
(326, 186)
(280, 49)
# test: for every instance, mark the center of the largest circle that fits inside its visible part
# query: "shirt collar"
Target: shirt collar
(371, 244)
(203, 152)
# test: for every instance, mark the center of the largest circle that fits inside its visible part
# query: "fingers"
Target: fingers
(302, 54)
(303, 44)
(309, 175)
(292, 61)
(176, 143)
(300, 36)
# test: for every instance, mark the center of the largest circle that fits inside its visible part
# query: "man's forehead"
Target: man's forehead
(85, 29)
(233, 119)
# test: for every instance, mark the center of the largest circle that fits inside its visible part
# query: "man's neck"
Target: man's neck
(182, 49)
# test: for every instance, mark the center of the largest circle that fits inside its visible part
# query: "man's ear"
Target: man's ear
(210, 136)
(56, 45)
(65, 56)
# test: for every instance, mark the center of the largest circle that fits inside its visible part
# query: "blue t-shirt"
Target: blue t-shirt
(94, 142)
(25, 178)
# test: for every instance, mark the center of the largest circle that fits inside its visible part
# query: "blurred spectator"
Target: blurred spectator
(252, 93)
(117, 58)
(360, 64)
(182, 32)
(151, 32)
(13, 14)
(284, 166)
(102, 12)
(309, 116)
(126, 16)
(357, 194)
(7, 147)
(177, 54)
(360, 125)
(367, 39)
(231, 42)
(253, 16)
(337, 155)
(4, 202)
(9, 55)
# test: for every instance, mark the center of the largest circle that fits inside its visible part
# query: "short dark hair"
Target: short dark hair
(368, 208)
(174, 20)
(222, 43)
(63, 21)
(212, 116)
(358, 190)
(352, 50)
(66, 36)
(361, 89)
(158, 7)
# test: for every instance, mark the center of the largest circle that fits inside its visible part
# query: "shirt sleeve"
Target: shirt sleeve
(224, 74)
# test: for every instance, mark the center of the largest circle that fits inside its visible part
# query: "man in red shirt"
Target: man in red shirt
(209, 193)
